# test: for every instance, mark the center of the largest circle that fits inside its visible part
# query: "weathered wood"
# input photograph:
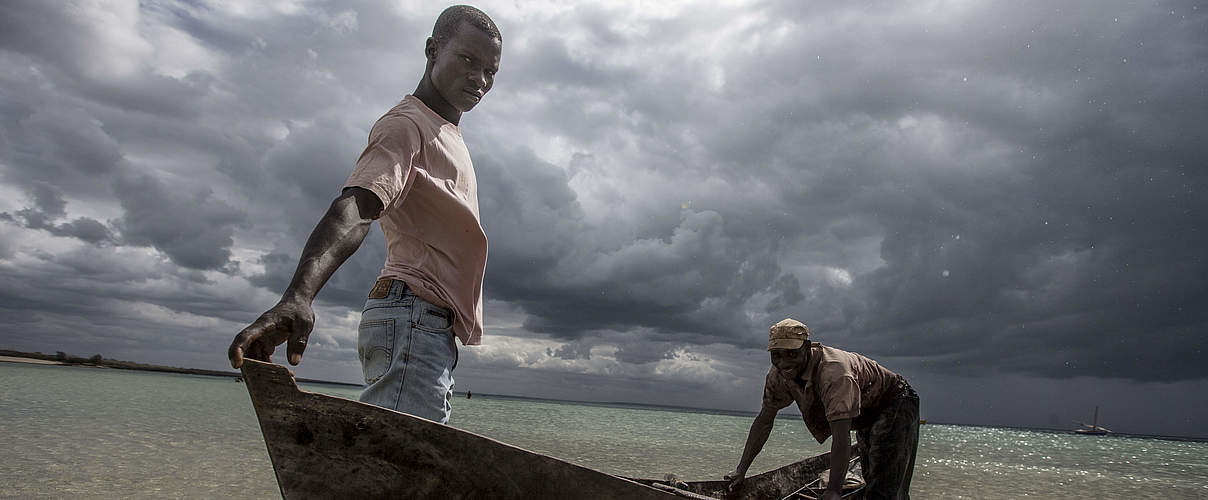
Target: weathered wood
(681, 493)
(328, 447)
(771, 485)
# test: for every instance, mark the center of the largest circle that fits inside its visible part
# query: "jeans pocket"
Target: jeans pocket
(375, 346)
(431, 318)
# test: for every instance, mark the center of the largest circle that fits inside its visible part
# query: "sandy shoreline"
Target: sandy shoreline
(32, 361)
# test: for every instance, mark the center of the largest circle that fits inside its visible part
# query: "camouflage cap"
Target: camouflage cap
(788, 334)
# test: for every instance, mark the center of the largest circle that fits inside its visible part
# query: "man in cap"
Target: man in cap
(838, 391)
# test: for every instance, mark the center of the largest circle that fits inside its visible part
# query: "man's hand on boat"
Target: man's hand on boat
(288, 321)
(735, 478)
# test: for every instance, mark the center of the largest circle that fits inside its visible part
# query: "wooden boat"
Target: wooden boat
(329, 447)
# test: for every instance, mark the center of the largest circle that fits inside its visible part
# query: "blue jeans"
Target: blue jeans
(407, 352)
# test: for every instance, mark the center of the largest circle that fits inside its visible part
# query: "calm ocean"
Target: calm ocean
(99, 433)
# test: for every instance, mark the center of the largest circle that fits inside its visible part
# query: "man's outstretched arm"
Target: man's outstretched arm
(761, 428)
(335, 238)
(839, 455)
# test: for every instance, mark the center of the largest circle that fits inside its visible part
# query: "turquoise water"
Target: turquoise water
(100, 433)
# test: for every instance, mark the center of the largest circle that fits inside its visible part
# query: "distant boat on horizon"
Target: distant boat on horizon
(1093, 429)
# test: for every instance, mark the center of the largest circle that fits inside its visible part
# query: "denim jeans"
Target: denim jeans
(407, 352)
(889, 446)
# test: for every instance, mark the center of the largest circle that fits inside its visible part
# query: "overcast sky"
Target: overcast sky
(1002, 201)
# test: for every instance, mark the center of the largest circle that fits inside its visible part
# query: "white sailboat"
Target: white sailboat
(1093, 429)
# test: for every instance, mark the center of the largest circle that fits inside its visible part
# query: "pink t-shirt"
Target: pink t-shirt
(417, 164)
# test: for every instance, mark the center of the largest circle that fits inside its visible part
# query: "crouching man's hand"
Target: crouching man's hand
(735, 478)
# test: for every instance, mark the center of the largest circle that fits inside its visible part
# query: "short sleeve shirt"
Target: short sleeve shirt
(418, 166)
(835, 385)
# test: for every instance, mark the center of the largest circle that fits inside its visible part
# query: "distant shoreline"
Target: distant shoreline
(61, 358)
(97, 361)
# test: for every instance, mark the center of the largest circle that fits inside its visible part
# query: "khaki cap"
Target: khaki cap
(788, 334)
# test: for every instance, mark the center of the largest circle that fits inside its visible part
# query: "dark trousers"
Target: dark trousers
(889, 446)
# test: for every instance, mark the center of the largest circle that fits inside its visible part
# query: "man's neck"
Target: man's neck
(427, 94)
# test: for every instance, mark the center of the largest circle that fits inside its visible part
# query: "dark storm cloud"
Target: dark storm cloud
(57, 143)
(89, 124)
(61, 148)
(573, 284)
(52, 33)
(1025, 170)
(48, 206)
(81, 134)
(1093, 216)
(189, 225)
(957, 189)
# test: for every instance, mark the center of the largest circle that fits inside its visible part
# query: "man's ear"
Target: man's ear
(430, 49)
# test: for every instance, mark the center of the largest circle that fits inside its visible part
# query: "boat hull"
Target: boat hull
(329, 447)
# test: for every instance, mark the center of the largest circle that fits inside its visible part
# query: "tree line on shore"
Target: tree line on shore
(101, 361)
(98, 360)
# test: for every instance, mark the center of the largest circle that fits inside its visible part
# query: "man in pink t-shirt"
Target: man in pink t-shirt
(416, 177)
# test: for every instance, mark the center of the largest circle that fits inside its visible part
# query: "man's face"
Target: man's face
(464, 67)
(790, 362)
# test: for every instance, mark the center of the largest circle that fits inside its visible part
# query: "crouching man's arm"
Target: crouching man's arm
(761, 428)
(839, 455)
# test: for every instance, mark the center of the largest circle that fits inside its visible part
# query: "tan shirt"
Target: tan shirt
(417, 164)
(836, 385)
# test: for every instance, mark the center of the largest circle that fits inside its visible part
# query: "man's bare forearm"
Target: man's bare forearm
(761, 428)
(336, 237)
(840, 453)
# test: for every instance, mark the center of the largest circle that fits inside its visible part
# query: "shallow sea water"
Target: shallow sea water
(100, 433)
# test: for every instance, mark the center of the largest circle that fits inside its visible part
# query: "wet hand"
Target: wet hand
(735, 478)
(286, 321)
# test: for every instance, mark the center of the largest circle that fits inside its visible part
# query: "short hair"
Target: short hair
(451, 19)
